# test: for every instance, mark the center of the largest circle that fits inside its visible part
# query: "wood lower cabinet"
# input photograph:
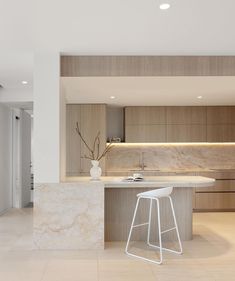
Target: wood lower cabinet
(91, 119)
(215, 201)
(220, 197)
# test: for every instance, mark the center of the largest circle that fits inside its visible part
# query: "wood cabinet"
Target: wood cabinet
(186, 124)
(145, 124)
(180, 124)
(186, 115)
(220, 115)
(186, 133)
(220, 123)
(145, 133)
(220, 197)
(145, 115)
(91, 119)
(73, 142)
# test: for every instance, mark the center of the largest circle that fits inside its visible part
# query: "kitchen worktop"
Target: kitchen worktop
(148, 182)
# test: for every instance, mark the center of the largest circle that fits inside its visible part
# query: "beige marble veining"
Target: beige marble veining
(125, 157)
(69, 216)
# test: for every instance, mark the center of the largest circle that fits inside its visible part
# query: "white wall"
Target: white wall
(47, 117)
(5, 158)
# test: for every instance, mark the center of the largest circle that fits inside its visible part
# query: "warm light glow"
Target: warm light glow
(112, 97)
(164, 6)
(175, 144)
(199, 97)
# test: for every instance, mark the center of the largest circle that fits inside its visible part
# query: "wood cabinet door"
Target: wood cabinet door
(145, 115)
(220, 115)
(145, 133)
(73, 142)
(93, 120)
(185, 115)
(186, 133)
(221, 133)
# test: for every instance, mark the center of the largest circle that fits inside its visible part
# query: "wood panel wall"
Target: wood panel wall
(75, 66)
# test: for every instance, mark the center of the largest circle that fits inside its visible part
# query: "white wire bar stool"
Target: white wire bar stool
(156, 195)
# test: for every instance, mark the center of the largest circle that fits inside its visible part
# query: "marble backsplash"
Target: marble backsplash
(126, 157)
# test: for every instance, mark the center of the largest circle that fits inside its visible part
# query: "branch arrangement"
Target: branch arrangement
(94, 151)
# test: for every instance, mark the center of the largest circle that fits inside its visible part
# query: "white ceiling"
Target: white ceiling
(107, 27)
(150, 90)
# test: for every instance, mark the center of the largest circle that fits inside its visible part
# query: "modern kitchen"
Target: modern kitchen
(125, 134)
(117, 140)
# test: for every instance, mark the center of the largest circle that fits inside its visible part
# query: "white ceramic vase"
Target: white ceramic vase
(95, 170)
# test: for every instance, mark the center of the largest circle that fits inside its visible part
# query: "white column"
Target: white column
(47, 117)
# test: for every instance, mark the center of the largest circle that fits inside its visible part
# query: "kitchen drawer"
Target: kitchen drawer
(215, 201)
(220, 186)
(229, 174)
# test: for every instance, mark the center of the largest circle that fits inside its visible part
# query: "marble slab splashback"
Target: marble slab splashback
(124, 157)
(69, 216)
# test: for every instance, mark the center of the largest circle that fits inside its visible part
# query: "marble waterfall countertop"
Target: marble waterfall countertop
(71, 215)
(148, 182)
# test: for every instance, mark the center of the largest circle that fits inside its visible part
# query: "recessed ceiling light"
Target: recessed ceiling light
(112, 97)
(164, 6)
(24, 82)
(199, 97)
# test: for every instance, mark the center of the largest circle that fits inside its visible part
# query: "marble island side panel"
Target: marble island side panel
(69, 216)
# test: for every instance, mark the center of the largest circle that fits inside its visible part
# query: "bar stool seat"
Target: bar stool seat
(155, 195)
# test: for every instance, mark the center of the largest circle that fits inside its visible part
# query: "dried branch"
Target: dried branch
(80, 135)
(96, 139)
(98, 148)
(109, 146)
(87, 157)
(95, 150)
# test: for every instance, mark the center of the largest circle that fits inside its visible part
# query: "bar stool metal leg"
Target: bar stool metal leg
(150, 218)
(176, 227)
(159, 230)
(132, 224)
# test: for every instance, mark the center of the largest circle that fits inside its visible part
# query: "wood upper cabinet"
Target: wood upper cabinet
(185, 115)
(145, 124)
(221, 133)
(91, 119)
(220, 115)
(186, 124)
(145, 133)
(186, 133)
(165, 124)
(145, 115)
(220, 123)
(180, 124)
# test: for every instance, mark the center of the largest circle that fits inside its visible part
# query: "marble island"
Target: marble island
(83, 214)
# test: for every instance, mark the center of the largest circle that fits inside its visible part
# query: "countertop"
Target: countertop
(148, 182)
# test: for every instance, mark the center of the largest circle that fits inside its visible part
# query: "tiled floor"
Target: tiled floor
(210, 256)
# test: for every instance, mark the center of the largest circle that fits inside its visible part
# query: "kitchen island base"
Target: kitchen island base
(119, 208)
(83, 214)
